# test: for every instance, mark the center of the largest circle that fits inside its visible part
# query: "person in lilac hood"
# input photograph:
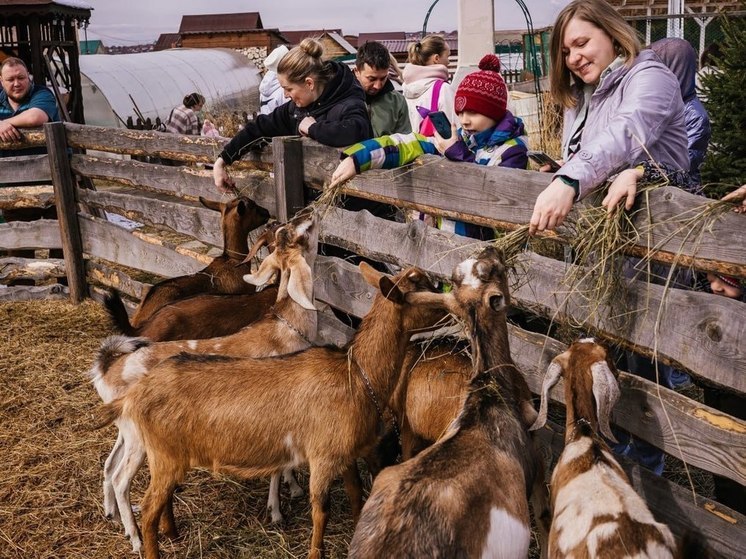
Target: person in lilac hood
(489, 135)
(622, 106)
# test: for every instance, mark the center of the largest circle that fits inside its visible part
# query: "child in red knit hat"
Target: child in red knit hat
(489, 135)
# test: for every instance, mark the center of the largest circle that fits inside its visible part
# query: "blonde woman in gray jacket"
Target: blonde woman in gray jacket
(622, 107)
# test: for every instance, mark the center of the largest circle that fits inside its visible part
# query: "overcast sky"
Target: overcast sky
(122, 22)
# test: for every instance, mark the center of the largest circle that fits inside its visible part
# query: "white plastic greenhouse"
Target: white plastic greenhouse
(158, 81)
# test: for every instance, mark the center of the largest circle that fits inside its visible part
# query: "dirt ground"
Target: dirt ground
(50, 470)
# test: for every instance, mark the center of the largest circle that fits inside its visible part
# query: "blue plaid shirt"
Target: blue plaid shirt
(38, 98)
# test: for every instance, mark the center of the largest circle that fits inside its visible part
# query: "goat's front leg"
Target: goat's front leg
(112, 461)
(354, 489)
(319, 482)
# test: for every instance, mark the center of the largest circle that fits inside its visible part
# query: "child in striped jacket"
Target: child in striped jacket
(489, 135)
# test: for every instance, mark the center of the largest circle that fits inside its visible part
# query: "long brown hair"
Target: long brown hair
(601, 14)
(306, 60)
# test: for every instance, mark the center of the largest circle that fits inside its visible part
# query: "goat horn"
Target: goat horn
(260, 242)
(552, 376)
(606, 392)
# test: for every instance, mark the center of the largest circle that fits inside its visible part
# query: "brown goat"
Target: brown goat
(289, 327)
(597, 513)
(258, 416)
(465, 496)
(238, 217)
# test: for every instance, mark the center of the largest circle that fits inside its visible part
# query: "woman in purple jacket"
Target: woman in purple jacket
(622, 107)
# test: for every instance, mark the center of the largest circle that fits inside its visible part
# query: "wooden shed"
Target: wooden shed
(235, 31)
(44, 34)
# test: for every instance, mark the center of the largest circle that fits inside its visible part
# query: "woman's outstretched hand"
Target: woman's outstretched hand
(223, 182)
(738, 195)
(551, 207)
(623, 188)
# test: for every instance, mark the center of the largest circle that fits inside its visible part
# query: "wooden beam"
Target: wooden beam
(688, 319)
(288, 170)
(102, 239)
(701, 436)
(504, 198)
(34, 293)
(30, 268)
(17, 197)
(98, 272)
(43, 233)
(23, 169)
(67, 209)
(187, 182)
(197, 149)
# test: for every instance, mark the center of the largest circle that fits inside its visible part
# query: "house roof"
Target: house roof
(295, 37)
(402, 46)
(342, 42)
(389, 36)
(220, 23)
(67, 3)
(65, 8)
(167, 41)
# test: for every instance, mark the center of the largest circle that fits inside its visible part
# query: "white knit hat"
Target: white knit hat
(274, 57)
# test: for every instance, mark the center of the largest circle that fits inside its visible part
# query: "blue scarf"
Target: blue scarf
(508, 128)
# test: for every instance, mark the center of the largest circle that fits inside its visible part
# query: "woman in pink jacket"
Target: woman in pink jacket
(426, 86)
(622, 107)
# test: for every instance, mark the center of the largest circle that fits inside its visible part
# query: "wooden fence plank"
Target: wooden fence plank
(43, 233)
(34, 293)
(183, 216)
(102, 274)
(700, 331)
(288, 171)
(67, 209)
(505, 198)
(22, 169)
(16, 197)
(180, 181)
(105, 240)
(724, 530)
(31, 268)
(159, 144)
(704, 438)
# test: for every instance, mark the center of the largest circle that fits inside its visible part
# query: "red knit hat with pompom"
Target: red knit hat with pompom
(483, 92)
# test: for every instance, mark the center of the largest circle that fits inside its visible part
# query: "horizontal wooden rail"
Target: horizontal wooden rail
(700, 331)
(704, 438)
(44, 233)
(179, 181)
(12, 268)
(504, 198)
(25, 169)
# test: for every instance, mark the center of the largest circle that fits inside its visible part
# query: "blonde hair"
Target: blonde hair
(420, 51)
(304, 61)
(596, 12)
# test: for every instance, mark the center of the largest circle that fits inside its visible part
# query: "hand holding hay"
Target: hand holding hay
(738, 195)
(623, 187)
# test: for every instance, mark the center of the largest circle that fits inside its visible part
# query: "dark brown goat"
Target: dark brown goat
(223, 275)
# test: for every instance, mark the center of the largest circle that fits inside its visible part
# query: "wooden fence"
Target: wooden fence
(697, 331)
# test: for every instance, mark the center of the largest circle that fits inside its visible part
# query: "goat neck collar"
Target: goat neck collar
(287, 323)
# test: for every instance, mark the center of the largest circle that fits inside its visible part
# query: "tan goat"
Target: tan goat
(320, 406)
(597, 513)
(237, 218)
(289, 326)
(465, 496)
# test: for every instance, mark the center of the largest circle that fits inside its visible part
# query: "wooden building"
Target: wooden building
(334, 43)
(44, 34)
(235, 31)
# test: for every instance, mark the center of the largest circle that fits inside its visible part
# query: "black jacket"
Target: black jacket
(340, 112)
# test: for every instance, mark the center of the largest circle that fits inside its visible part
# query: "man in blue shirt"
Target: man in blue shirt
(22, 105)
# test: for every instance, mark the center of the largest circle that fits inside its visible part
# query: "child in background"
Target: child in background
(489, 135)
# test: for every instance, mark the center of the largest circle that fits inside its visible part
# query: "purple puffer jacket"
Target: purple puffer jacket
(631, 108)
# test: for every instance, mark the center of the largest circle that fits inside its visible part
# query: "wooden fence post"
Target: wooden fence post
(287, 153)
(67, 209)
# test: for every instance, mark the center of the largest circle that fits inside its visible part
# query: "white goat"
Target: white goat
(597, 513)
(320, 406)
(465, 496)
(289, 326)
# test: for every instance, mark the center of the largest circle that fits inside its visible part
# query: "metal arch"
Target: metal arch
(427, 17)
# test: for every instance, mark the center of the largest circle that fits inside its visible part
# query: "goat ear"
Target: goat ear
(266, 270)
(300, 285)
(554, 372)
(242, 207)
(390, 290)
(370, 274)
(444, 301)
(211, 205)
(606, 392)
